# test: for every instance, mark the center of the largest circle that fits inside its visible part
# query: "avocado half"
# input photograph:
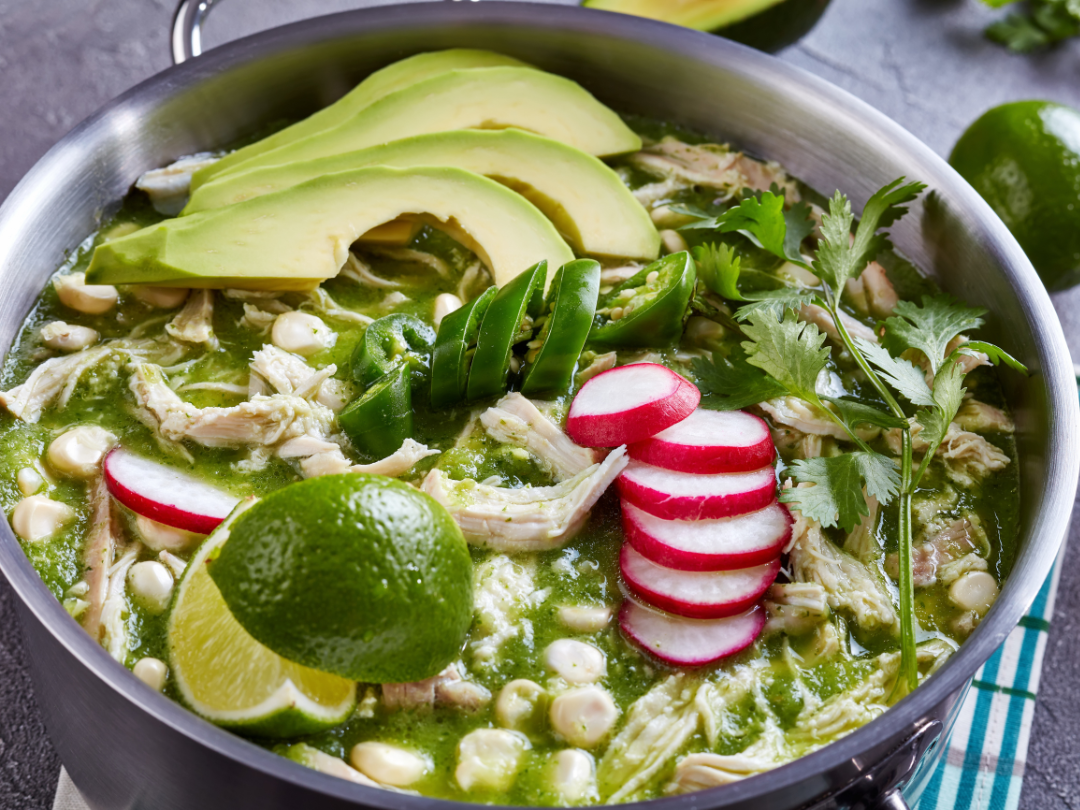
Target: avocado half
(768, 25)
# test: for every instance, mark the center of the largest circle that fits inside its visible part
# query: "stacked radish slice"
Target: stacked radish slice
(703, 527)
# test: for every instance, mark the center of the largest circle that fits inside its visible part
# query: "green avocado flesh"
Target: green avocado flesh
(358, 575)
(586, 200)
(482, 98)
(390, 79)
(704, 15)
(296, 238)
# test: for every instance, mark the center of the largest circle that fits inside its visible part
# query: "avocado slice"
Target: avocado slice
(481, 98)
(767, 25)
(586, 200)
(379, 84)
(296, 238)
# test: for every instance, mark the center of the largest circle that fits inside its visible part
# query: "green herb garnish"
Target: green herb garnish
(1041, 24)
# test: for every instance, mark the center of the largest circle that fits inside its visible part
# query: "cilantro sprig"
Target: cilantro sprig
(1039, 25)
(918, 360)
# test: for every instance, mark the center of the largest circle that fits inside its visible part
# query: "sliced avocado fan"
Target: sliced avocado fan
(481, 98)
(379, 84)
(296, 238)
(586, 200)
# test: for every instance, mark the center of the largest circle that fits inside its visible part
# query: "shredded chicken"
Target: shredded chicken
(849, 584)
(447, 688)
(808, 419)
(257, 320)
(978, 417)
(599, 364)
(529, 518)
(820, 317)
(951, 542)
(872, 293)
(323, 457)
(195, 322)
(503, 592)
(99, 555)
(320, 301)
(716, 700)
(515, 420)
(401, 254)
(356, 269)
(290, 374)
(168, 188)
(861, 543)
(658, 725)
(613, 276)
(968, 456)
(114, 637)
(796, 608)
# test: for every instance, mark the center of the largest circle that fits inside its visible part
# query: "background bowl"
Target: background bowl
(126, 746)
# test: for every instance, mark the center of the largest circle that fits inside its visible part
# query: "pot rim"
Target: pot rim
(1049, 525)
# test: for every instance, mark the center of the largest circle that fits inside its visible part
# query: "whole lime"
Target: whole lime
(358, 575)
(1024, 159)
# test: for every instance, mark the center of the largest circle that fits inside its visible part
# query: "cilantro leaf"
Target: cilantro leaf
(1041, 24)
(839, 256)
(799, 225)
(731, 383)
(856, 413)
(930, 327)
(790, 351)
(761, 220)
(837, 499)
(901, 374)
(718, 268)
(948, 396)
(996, 354)
(775, 301)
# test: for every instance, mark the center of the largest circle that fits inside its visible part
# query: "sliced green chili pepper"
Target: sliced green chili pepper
(387, 343)
(564, 328)
(380, 419)
(508, 321)
(454, 348)
(649, 309)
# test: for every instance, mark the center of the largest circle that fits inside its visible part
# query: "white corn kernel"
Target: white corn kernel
(301, 333)
(78, 452)
(161, 297)
(673, 241)
(575, 661)
(489, 758)
(445, 303)
(66, 337)
(151, 585)
(152, 672)
(159, 537)
(29, 480)
(975, 590)
(517, 704)
(584, 716)
(585, 619)
(571, 772)
(38, 517)
(388, 764)
(93, 299)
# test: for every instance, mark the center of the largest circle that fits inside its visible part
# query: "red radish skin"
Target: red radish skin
(710, 442)
(709, 545)
(164, 494)
(696, 594)
(687, 642)
(628, 404)
(686, 496)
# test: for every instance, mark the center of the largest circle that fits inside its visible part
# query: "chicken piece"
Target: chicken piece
(808, 419)
(195, 322)
(716, 700)
(356, 269)
(600, 363)
(711, 166)
(257, 320)
(849, 584)
(947, 545)
(99, 554)
(704, 770)
(795, 608)
(447, 688)
(53, 382)
(324, 457)
(168, 188)
(320, 301)
(658, 725)
(526, 519)
(968, 361)
(872, 293)
(978, 417)
(861, 543)
(820, 317)
(503, 591)
(290, 374)
(515, 420)
(843, 713)
(267, 421)
(410, 256)
(968, 456)
(613, 276)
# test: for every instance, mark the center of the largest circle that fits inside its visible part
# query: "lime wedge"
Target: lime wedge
(229, 678)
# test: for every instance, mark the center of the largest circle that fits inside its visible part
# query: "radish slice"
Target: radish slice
(689, 642)
(710, 442)
(628, 404)
(696, 594)
(164, 494)
(685, 496)
(709, 545)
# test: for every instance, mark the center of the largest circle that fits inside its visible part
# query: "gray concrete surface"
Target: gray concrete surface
(923, 62)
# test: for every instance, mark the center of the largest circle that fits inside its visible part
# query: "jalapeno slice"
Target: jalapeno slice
(564, 327)
(508, 321)
(381, 418)
(454, 346)
(387, 343)
(648, 309)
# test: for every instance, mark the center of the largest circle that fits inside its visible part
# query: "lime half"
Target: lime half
(229, 678)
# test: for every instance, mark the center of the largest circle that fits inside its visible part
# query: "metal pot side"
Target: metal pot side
(128, 747)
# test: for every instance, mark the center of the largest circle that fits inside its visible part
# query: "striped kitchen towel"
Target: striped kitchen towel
(983, 766)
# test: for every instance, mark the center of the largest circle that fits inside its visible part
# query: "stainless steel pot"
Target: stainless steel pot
(128, 747)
